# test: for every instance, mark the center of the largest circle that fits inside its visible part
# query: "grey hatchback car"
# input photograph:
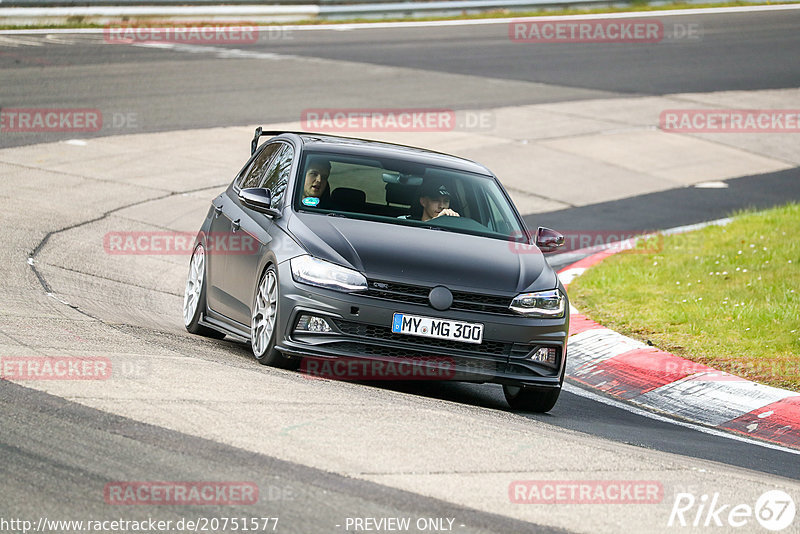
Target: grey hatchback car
(366, 260)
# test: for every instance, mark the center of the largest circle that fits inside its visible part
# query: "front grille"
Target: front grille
(462, 300)
(397, 292)
(481, 303)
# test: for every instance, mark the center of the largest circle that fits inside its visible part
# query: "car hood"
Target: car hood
(422, 256)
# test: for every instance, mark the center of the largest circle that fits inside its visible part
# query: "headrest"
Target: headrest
(348, 197)
(401, 194)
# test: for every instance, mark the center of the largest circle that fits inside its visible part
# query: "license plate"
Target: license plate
(417, 325)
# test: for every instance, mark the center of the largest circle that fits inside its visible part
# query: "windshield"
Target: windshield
(402, 192)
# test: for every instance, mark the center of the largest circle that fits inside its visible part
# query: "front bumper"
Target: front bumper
(362, 330)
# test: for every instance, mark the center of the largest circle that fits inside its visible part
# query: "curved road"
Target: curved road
(321, 452)
(465, 67)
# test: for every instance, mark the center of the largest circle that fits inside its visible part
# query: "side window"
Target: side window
(498, 220)
(252, 176)
(495, 215)
(276, 176)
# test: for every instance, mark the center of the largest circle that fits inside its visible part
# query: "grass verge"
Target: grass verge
(77, 22)
(725, 296)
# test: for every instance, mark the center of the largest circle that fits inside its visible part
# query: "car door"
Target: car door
(251, 226)
(224, 240)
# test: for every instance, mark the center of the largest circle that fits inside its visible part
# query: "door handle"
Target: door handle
(236, 225)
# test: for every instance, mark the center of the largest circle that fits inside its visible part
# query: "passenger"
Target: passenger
(316, 189)
(317, 173)
(435, 201)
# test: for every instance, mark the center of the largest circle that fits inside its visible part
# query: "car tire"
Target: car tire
(264, 322)
(531, 399)
(194, 296)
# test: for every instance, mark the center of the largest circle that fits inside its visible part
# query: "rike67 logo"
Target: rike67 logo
(774, 510)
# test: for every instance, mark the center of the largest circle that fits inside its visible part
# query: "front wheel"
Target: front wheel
(531, 399)
(264, 324)
(194, 297)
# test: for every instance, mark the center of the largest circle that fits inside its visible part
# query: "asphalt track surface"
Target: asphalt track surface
(676, 207)
(96, 446)
(461, 67)
(52, 447)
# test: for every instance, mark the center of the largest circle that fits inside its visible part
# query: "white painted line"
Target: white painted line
(590, 16)
(593, 347)
(569, 275)
(59, 299)
(629, 243)
(14, 42)
(689, 227)
(575, 390)
(712, 398)
(711, 185)
(222, 53)
(439, 23)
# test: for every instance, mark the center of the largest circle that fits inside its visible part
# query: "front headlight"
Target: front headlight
(547, 304)
(320, 273)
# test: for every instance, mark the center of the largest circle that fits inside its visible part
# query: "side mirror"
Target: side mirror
(259, 199)
(548, 240)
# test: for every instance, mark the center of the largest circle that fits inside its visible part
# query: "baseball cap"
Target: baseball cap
(434, 190)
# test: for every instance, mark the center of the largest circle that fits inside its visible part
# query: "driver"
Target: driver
(316, 181)
(435, 201)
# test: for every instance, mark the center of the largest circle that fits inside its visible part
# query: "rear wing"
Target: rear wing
(257, 136)
(270, 133)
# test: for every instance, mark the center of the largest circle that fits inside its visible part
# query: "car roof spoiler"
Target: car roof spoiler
(257, 136)
(271, 133)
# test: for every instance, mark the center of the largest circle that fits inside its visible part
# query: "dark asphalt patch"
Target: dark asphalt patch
(676, 207)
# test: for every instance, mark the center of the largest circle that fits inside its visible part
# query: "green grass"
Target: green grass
(725, 296)
(636, 6)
